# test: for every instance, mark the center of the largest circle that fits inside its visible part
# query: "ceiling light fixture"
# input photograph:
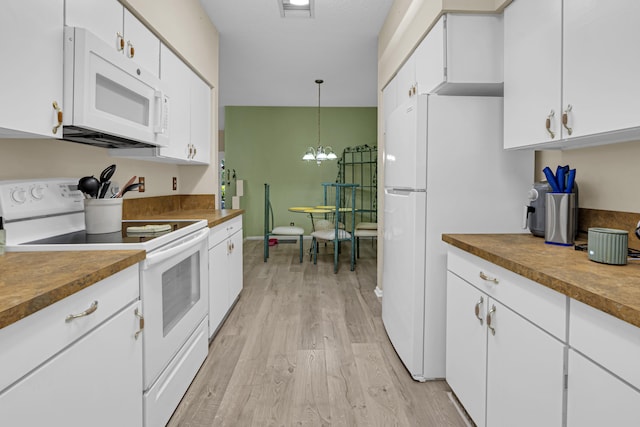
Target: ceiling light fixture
(321, 153)
(299, 2)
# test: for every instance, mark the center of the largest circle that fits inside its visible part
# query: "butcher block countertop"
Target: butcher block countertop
(614, 289)
(31, 281)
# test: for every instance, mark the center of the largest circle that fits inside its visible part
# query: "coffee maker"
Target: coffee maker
(535, 213)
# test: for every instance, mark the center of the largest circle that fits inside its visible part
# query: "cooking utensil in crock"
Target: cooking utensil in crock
(119, 193)
(105, 180)
(130, 188)
(89, 185)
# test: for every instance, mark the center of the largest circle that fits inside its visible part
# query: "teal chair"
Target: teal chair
(336, 233)
(271, 230)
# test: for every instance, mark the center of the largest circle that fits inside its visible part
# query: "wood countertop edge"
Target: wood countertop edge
(597, 300)
(38, 302)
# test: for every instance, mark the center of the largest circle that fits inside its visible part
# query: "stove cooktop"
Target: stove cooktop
(120, 237)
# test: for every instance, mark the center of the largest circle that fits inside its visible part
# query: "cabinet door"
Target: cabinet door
(200, 120)
(31, 39)
(532, 72)
(597, 398)
(96, 381)
(524, 372)
(389, 98)
(219, 269)
(177, 77)
(429, 59)
(235, 267)
(406, 81)
(601, 65)
(101, 17)
(146, 46)
(467, 346)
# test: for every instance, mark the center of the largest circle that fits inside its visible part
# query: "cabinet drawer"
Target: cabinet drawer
(225, 230)
(34, 339)
(541, 305)
(607, 340)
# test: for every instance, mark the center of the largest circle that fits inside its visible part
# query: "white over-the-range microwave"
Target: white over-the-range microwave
(109, 100)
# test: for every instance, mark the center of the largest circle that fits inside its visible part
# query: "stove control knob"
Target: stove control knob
(37, 191)
(19, 195)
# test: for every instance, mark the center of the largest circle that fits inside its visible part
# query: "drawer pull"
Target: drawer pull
(477, 309)
(488, 278)
(140, 323)
(88, 311)
(490, 320)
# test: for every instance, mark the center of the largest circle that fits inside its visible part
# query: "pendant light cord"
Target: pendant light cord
(319, 82)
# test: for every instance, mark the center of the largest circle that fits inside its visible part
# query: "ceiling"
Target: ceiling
(266, 60)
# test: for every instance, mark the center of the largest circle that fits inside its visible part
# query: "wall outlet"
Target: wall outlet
(175, 183)
(141, 182)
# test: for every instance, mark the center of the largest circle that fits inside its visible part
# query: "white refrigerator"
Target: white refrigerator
(445, 172)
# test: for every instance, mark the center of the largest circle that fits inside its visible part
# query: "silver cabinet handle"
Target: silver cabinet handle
(477, 309)
(483, 276)
(140, 323)
(88, 311)
(490, 320)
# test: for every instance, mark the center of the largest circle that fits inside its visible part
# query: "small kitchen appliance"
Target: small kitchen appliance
(535, 211)
(534, 217)
(608, 245)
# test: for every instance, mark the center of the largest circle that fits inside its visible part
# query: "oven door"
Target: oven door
(174, 293)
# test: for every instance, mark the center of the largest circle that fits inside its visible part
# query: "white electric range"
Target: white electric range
(48, 215)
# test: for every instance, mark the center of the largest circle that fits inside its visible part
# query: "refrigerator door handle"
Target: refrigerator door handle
(403, 191)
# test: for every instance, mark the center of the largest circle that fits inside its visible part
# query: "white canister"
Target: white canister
(103, 215)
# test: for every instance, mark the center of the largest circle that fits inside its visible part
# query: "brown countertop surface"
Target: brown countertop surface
(31, 281)
(213, 216)
(614, 289)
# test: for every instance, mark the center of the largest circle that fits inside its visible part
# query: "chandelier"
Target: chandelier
(321, 153)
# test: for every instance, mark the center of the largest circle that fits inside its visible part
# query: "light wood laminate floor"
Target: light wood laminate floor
(306, 347)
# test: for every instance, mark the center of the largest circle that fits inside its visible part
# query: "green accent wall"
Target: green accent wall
(266, 144)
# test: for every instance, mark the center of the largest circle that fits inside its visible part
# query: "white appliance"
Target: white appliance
(47, 215)
(445, 172)
(109, 100)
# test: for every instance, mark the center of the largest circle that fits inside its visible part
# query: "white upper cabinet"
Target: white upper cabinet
(532, 72)
(571, 78)
(461, 55)
(190, 115)
(176, 76)
(110, 21)
(141, 44)
(31, 40)
(406, 85)
(200, 120)
(601, 66)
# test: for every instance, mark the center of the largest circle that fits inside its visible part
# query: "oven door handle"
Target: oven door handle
(175, 248)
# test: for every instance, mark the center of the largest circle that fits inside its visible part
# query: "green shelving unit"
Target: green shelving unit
(359, 165)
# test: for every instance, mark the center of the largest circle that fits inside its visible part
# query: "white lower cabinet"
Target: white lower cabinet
(503, 367)
(225, 270)
(596, 398)
(96, 379)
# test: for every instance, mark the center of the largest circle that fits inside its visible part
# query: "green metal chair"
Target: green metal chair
(270, 230)
(336, 234)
